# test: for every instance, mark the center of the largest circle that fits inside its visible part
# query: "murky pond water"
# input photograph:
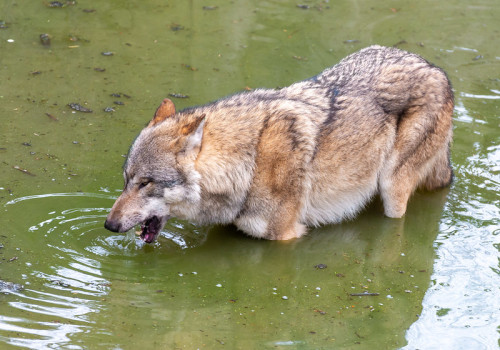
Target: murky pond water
(67, 283)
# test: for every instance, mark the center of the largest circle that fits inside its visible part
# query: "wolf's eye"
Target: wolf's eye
(144, 183)
(170, 184)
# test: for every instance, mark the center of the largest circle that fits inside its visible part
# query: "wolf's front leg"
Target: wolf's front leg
(284, 223)
(272, 219)
(274, 201)
(297, 230)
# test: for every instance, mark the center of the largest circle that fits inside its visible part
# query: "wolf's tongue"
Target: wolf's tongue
(150, 230)
(148, 237)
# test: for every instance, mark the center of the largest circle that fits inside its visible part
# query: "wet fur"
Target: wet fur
(275, 161)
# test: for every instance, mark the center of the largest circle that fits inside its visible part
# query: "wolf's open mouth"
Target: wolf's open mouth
(150, 229)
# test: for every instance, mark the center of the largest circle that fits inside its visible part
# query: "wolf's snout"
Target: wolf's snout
(112, 225)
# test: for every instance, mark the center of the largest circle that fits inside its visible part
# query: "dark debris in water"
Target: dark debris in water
(74, 39)
(178, 95)
(189, 67)
(120, 94)
(55, 4)
(60, 4)
(60, 283)
(78, 107)
(320, 7)
(6, 287)
(45, 39)
(320, 266)
(176, 27)
(399, 43)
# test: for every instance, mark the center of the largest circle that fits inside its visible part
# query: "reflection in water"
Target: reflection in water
(455, 314)
(83, 280)
(461, 307)
(239, 286)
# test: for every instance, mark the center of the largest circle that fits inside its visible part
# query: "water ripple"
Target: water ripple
(70, 194)
(69, 259)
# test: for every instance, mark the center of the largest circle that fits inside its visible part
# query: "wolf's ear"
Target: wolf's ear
(194, 135)
(165, 110)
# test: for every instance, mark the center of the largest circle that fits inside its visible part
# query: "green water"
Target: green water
(436, 271)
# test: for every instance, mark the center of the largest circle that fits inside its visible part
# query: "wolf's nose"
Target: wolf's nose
(112, 225)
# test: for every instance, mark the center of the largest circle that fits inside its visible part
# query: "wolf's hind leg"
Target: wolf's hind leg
(441, 173)
(421, 148)
(395, 191)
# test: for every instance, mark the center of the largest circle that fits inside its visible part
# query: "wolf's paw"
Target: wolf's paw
(296, 232)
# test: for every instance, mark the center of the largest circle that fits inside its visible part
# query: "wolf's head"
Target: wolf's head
(159, 172)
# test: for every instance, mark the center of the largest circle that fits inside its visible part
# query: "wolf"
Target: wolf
(275, 161)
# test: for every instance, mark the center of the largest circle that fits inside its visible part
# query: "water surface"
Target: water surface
(436, 271)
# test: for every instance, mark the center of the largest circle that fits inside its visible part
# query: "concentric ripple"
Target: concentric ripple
(65, 259)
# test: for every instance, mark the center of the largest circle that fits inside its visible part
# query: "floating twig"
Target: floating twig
(366, 294)
(51, 117)
(23, 170)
